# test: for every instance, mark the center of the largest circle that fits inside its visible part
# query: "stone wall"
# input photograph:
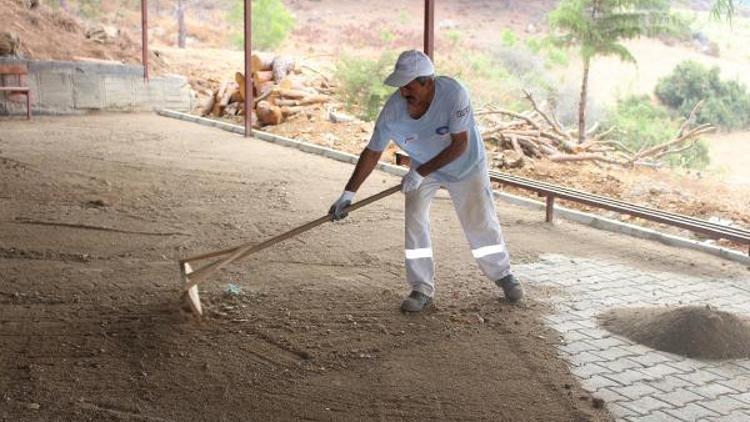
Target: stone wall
(59, 87)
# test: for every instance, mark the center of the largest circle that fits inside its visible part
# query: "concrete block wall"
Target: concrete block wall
(59, 87)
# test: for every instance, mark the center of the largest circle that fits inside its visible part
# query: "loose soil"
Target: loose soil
(96, 210)
(699, 332)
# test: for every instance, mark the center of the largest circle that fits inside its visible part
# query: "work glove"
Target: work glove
(337, 209)
(411, 181)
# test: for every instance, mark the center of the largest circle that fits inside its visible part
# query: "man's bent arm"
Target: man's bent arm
(368, 159)
(459, 142)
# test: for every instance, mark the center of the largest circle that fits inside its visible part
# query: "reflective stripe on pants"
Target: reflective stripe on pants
(475, 207)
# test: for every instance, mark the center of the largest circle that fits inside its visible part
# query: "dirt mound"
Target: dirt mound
(692, 331)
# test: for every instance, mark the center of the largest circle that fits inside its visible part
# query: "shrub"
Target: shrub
(454, 36)
(362, 88)
(271, 23)
(641, 124)
(508, 37)
(727, 102)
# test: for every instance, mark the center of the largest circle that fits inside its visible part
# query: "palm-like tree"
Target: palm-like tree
(599, 26)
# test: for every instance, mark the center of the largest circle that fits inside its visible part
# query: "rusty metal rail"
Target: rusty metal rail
(550, 192)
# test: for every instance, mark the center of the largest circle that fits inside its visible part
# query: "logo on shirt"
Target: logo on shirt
(410, 138)
(463, 112)
(442, 130)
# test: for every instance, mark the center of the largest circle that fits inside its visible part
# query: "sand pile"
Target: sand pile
(692, 331)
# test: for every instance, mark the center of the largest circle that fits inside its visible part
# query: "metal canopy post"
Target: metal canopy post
(249, 100)
(144, 38)
(429, 28)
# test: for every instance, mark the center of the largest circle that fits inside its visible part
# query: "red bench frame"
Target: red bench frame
(20, 71)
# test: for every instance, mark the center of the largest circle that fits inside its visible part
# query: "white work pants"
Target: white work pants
(474, 204)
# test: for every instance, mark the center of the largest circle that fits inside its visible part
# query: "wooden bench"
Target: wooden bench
(551, 191)
(13, 81)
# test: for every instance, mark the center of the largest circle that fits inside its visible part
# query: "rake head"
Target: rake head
(191, 295)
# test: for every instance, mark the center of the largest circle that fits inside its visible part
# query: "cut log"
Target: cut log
(232, 109)
(283, 102)
(268, 114)
(229, 89)
(294, 94)
(310, 99)
(263, 75)
(217, 109)
(208, 104)
(240, 79)
(314, 99)
(282, 66)
(263, 87)
(237, 97)
(291, 82)
(288, 111)
(261, 61)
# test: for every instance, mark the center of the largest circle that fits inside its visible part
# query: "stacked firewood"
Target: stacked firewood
(279, 92)
(535, 134)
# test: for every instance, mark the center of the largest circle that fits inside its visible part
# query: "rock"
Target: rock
(447, 24)
(512, 159)
(102, 34)
(508, 159)
(337, 117)
(9, 44)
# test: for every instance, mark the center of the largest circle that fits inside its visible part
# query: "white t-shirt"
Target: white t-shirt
(424, 138)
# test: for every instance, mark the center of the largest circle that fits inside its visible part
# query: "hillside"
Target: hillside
(471, 43)
(46, 33)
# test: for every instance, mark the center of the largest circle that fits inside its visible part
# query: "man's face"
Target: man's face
(414, 93)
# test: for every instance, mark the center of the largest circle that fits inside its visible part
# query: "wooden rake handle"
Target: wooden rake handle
(249, 248)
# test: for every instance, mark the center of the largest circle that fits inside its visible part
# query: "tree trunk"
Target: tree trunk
(181, 32)
(582, 102)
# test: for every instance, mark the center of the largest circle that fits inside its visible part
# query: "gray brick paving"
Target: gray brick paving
(646, 405)
(637, 383)
(691, 412)
(657, 416)
(732, 417)
(636, 390)
(712, 390)
(680, 397)
(724, 405)
(669, 383)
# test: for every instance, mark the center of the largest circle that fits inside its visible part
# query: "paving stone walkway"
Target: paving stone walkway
(637, 383)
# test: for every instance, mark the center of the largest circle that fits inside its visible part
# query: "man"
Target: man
(432, 120)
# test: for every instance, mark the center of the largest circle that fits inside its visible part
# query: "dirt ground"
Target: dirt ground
(96, 211)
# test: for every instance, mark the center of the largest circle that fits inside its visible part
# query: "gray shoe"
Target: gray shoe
(415, 302)
(511, 288)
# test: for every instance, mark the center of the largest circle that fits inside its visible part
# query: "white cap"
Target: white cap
(410, 65)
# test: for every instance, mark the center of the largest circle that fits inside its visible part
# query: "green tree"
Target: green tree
(722, 9)
(597, 27)
(641, 124)
(271, 22)
(726, 102)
